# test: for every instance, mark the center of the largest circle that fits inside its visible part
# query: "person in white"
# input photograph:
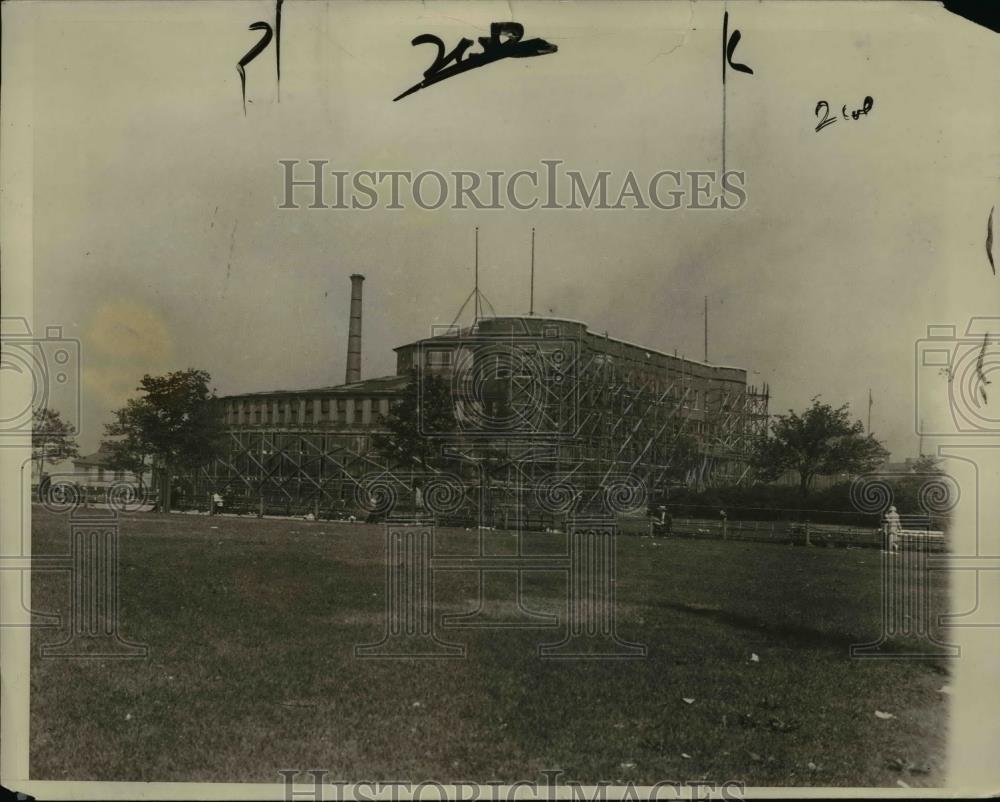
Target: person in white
(893, 529)
(216, 503)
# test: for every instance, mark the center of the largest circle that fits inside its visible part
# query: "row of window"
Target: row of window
(309, 410)
(692, 399)
(673, 384)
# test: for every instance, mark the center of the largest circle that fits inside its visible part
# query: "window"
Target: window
(309, 410)
(324, 409)
(341, 410)
(438, 358)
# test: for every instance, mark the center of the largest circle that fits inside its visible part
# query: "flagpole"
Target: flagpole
(531, 302)
(869, 410)
(706, 329)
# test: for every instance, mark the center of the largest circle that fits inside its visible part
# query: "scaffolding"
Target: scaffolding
(287, 471)
(613, 421)
(594, 412)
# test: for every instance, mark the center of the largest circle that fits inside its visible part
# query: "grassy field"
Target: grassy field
(251, 626)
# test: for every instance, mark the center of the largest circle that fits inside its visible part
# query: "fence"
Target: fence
(798, 533)
(65, 491)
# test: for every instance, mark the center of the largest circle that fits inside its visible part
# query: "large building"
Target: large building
(583, 401)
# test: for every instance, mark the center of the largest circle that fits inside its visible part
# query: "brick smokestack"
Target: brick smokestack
(354, 333)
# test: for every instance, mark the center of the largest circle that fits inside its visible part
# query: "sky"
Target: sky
(159, 244)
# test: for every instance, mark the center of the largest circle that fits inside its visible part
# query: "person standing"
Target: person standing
(893, 529)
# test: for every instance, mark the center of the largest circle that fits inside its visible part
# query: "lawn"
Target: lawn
(251, 625)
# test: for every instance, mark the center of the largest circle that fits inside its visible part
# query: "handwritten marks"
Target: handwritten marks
(277, 44)
(504, 41)
(867, 105)
(980, 373)
(251, 54)
(989, 241)
(729, 43)
(259, 48)
(827, 119)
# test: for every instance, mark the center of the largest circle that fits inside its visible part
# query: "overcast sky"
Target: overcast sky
(159, 244)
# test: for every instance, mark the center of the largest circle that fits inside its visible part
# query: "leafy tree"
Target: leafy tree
(683, 456)
(52, 439)
(425, 405)
(927, 464)
(908, 489)
(126, 451)
(820, 442)
(176, 424)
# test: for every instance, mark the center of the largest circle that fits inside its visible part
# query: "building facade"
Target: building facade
(583, 402)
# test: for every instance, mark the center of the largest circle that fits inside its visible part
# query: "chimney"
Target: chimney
(354, 333)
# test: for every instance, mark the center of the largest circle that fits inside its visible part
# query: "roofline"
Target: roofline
(586, 331)
(331, 388)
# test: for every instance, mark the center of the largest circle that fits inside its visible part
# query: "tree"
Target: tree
(927, 464)
(819, 442)
(425, 406)
(127, 452)
(176, 424)
(683, 457)
(52, 439)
